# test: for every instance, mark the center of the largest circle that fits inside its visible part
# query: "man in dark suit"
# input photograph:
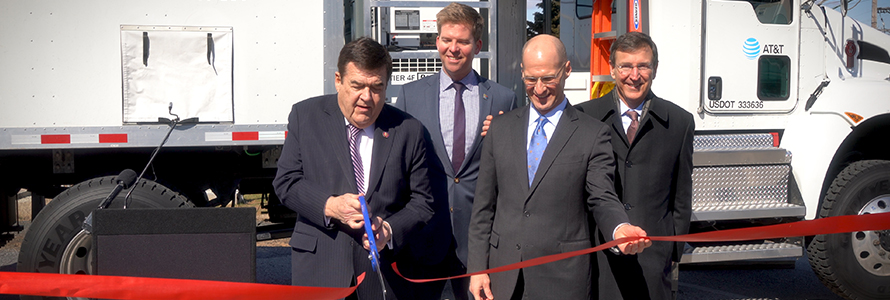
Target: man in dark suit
(544, 169)
(653, 173)
(339, 147)
(455, 166)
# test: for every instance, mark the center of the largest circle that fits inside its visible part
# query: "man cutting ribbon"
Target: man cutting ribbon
(343, 146)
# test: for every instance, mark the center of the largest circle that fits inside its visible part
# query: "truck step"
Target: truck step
(742, 192)
(723, 142)
(737, 149)
(767, 249)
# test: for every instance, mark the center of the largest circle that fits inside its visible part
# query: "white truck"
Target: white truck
(792, 121)
(786, 94)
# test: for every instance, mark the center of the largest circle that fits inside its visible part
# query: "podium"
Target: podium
(182, 243)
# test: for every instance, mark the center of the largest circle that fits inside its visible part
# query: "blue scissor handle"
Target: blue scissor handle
(375, 260)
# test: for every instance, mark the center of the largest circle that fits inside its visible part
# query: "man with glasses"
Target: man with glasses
(652, 144)
(545, 169)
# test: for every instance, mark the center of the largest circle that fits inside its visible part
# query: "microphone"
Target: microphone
(125, 179)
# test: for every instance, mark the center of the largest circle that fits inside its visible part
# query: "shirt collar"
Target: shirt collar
(623, 107)
(552, 115)
(468, 81)
(369, 131)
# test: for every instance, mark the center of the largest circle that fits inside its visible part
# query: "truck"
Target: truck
(785, 94)
(790, 124)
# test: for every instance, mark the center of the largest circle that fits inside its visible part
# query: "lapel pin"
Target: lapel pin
(385, 135)
(485, 96)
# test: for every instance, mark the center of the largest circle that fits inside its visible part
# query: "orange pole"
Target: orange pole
(599, 48)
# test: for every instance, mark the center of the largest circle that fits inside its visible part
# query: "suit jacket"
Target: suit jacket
(513, 222)
(315, 164)
(654, 181)
(452, 189)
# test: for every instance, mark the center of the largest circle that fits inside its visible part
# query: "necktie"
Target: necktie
(634, 124)
(459, 144)
(536, 148)
(357, 166)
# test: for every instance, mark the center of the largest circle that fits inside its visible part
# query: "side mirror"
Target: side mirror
(844, 7)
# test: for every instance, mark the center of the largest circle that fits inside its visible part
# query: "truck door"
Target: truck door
(750, 56)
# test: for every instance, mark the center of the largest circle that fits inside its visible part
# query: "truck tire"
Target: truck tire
(55, 243)
(855, 265)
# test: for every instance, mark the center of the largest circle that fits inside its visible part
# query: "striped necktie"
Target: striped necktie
(357, 166)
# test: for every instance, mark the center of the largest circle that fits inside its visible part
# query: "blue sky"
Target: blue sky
(862, 11)
(530, 8)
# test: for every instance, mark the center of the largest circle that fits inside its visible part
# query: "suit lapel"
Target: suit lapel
(655, 113)
(564, 131)
(381, 150)
(606, 110)
(429, 116)
(517, 146)
(335, 125)
(484, 111)
(617, 124)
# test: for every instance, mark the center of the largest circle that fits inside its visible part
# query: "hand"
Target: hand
(345, 208)
(382, 234)
(487, 123)
(480, 287)
(632, 247)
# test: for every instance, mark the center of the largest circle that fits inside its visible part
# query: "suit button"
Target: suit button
(518, 247)
(452, 209)
(628, 164)
(527, 214)
(456, 180)
(627, 206)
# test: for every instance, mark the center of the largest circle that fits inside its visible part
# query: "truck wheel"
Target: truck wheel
(55, 243)
(855, 265)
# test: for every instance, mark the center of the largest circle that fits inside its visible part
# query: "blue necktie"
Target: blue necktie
(536, 148)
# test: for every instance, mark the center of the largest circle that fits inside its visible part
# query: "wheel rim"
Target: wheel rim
(77, 259)
(872, 248)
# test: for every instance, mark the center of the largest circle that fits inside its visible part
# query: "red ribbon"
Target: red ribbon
(120, 287)
(839, 224)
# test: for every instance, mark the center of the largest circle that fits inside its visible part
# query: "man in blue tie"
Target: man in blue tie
(545, 169)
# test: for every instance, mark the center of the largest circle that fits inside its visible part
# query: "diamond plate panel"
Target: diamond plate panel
(740, 187)
(740, 248)
(732, 141)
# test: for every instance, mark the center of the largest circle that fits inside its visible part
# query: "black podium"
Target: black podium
(182, 243)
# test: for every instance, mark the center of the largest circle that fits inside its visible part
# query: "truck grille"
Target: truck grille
(430, 65)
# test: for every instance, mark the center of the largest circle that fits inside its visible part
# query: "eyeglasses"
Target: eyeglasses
(546, 80)
(641, 68)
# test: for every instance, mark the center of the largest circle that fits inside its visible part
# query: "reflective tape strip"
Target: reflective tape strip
(30, 139)
(43, 139)
(244, 136)
(55, 139)
(113, 138)
(272, 135)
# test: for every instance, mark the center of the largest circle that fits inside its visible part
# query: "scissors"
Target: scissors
(375, 257)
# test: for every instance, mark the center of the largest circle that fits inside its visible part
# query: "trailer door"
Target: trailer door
(750, 56)
(186, 67)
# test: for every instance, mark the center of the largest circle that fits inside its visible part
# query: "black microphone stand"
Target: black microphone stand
(173, 122)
